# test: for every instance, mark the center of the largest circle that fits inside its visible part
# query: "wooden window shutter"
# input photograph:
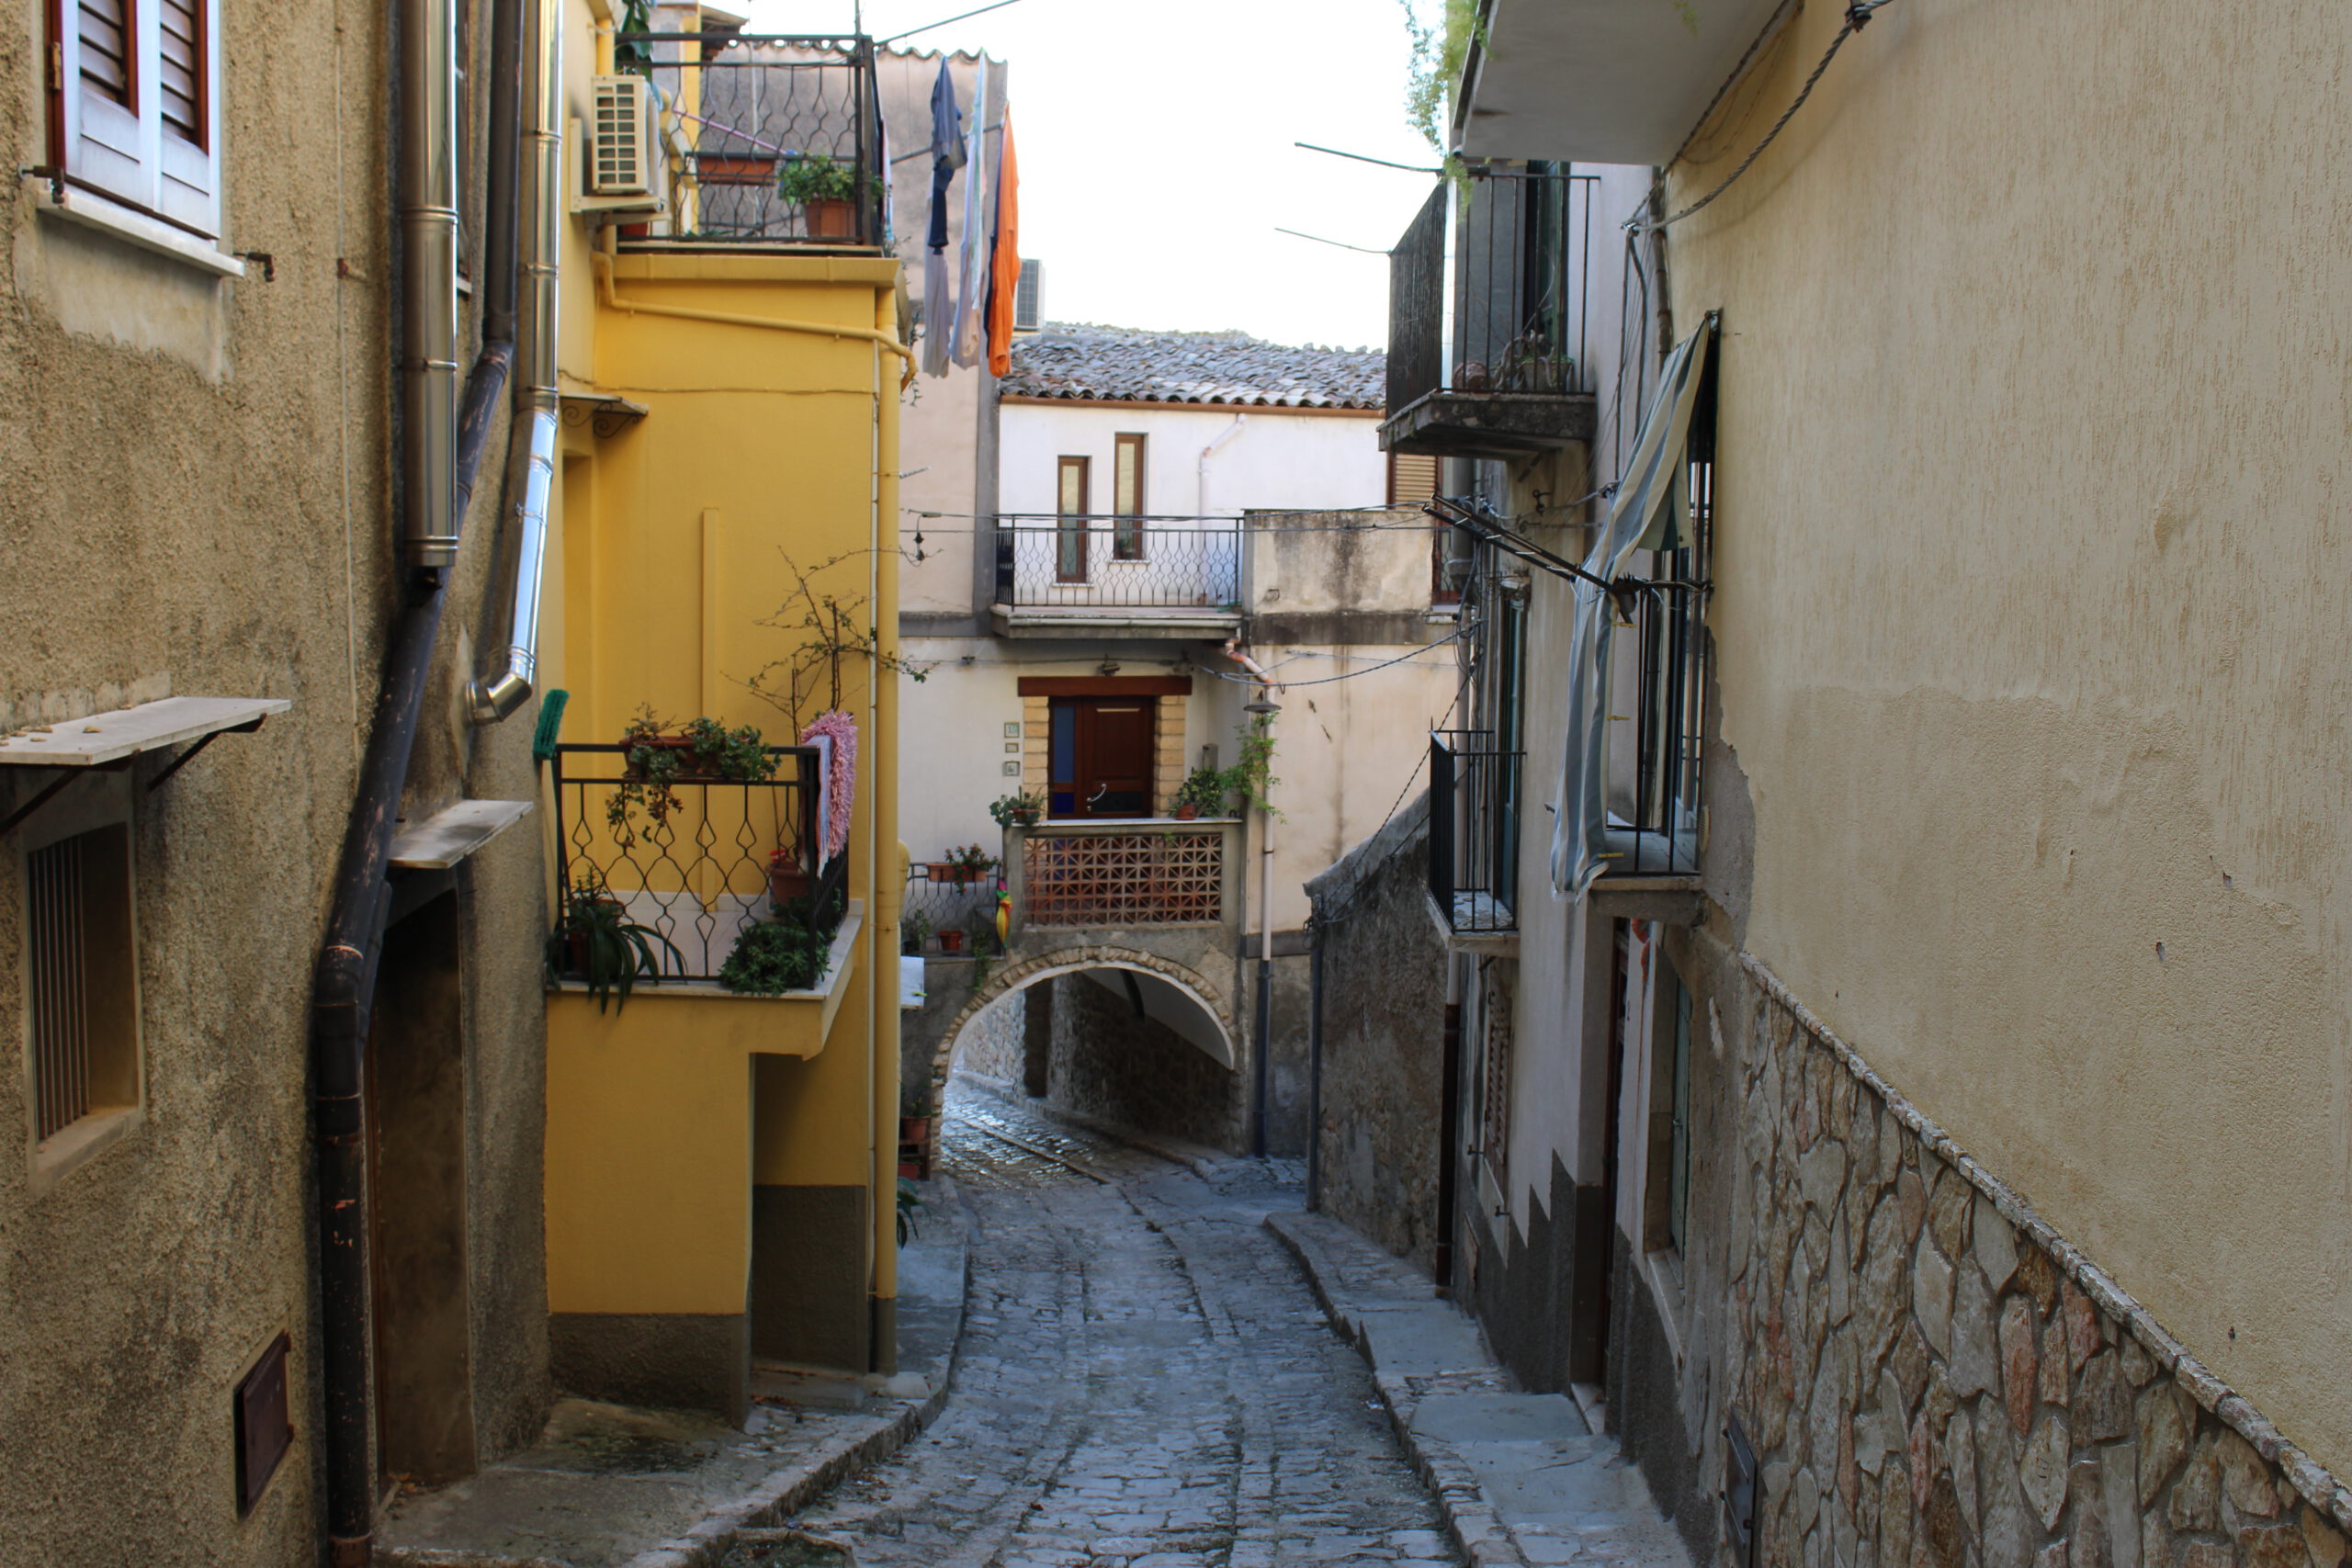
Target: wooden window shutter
(1412, 478)
(137, 105)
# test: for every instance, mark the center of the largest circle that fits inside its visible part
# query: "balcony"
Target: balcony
(1106, 876)
(704, 861)
(1474, 839)
(749, 119)
(1513, 377)
(1650, 766)
(1083, 576)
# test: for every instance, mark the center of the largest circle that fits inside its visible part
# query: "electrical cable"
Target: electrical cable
(1349, 675)
(1857, 17)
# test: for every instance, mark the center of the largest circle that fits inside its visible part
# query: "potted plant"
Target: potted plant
(1203, 791)
(969, 864)
(775, 956)
(826, 191)
(654, 760)
(914, 929)
(788, 881)
(596, 941)
(950, 939)
(1023, 810)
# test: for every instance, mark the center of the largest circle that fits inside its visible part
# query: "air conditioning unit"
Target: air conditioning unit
(624, 148)
(1028, 298)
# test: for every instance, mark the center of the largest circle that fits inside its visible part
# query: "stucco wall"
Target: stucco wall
(2028, 570)
(201, 505)
(1272, 459)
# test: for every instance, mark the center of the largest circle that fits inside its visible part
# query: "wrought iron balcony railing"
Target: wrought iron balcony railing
(703, 860)
(765, 115)
(1099, 563)
(1473, 831)
(1108, 875)
(1655, 782)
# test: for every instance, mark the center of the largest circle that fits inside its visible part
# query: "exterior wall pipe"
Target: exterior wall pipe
(428, 184)
(506, 684)
(343, 976)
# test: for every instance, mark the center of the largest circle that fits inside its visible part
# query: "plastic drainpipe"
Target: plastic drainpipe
(1200, 473)
(1266, 690)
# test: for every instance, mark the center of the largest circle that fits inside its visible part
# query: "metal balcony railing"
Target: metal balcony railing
(1099, 562)
(1656, 796)
(1473, 831)
(1142, 873)
(936, 906)
(758, 109)
(1514, 298)
(697, 863)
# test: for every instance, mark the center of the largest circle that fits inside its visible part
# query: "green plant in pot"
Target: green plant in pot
(969, 864)
(825, 189)
(1202, 793)
(775, 956)
(655, 761)
(596, 941)
(914, 929)
(1023, 810)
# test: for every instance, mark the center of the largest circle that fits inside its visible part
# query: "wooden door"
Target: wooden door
(1103, 753)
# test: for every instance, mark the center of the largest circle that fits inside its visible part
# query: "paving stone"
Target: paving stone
(1145, 1381)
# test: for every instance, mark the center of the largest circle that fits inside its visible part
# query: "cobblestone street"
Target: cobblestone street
(1145, 1381)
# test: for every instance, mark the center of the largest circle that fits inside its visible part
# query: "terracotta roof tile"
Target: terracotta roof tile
(1125, 365)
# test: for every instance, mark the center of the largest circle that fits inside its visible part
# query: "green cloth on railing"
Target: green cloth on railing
(550, 725)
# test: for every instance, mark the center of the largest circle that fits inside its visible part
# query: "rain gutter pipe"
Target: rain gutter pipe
(441, 453)
(505, 684)
(1201, 472)
(1265, 1019)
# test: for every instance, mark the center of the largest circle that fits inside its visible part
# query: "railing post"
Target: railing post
(1015, 865)
(1442, 827)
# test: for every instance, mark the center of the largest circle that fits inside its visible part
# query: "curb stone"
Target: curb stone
(1475, 1529)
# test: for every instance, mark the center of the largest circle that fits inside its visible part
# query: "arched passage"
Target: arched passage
(1148, 1040)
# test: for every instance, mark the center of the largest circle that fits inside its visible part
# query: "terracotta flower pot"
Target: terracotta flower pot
(788, 883)
(1186, 811)
(951, 941)
(939, 870)
(831, 220)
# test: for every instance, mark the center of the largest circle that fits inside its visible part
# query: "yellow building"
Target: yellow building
(720, 1163)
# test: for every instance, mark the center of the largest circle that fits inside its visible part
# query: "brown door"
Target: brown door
(1101, 756)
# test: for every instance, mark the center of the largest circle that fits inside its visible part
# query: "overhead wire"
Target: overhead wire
(1857, 17)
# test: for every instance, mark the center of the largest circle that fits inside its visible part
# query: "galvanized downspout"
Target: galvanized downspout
(506, 682)
(441, 453)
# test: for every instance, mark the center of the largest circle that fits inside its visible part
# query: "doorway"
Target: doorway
(1101, 756)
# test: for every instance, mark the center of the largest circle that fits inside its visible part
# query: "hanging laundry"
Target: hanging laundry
(969, 342)
(1004, 266)
(947, 154)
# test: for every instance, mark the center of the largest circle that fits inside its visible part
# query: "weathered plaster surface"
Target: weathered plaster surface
(2028, 566)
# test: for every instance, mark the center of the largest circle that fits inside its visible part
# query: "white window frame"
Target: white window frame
(128, 156)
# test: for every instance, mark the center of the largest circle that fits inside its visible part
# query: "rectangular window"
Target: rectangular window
(80, 984)
(134, 105)
(1070, 528)
(1127, 500)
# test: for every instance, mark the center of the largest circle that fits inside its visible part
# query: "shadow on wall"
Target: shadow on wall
(1089, 1043)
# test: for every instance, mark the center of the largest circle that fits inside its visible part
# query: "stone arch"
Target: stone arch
(1019, 974)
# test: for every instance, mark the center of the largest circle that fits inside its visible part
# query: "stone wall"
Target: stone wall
(1383, 1003)
(1930, 1376)
(1136, 1072)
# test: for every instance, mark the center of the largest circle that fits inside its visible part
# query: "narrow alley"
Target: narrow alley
(1144, 1380)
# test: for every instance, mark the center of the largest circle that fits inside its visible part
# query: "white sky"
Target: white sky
(1156, 160)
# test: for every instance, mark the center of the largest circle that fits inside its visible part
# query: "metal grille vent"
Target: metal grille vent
(57, 958)
(617, 143)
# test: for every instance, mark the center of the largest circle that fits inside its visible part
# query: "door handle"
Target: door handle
(1101, 790)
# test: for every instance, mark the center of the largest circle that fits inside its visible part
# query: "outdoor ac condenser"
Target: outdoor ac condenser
(624, 148)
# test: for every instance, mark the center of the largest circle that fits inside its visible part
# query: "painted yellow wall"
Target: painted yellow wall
(2032, 584)
(758, 445)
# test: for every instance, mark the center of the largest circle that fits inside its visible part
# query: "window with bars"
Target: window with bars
(135, 105)
(81, 985)
(1127, 498)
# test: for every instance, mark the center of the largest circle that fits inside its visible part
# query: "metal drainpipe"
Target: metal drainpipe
(1265, 1009)
(506, 684)
(441, 456)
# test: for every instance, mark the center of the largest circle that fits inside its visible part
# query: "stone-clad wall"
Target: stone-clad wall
(1932, 1378)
